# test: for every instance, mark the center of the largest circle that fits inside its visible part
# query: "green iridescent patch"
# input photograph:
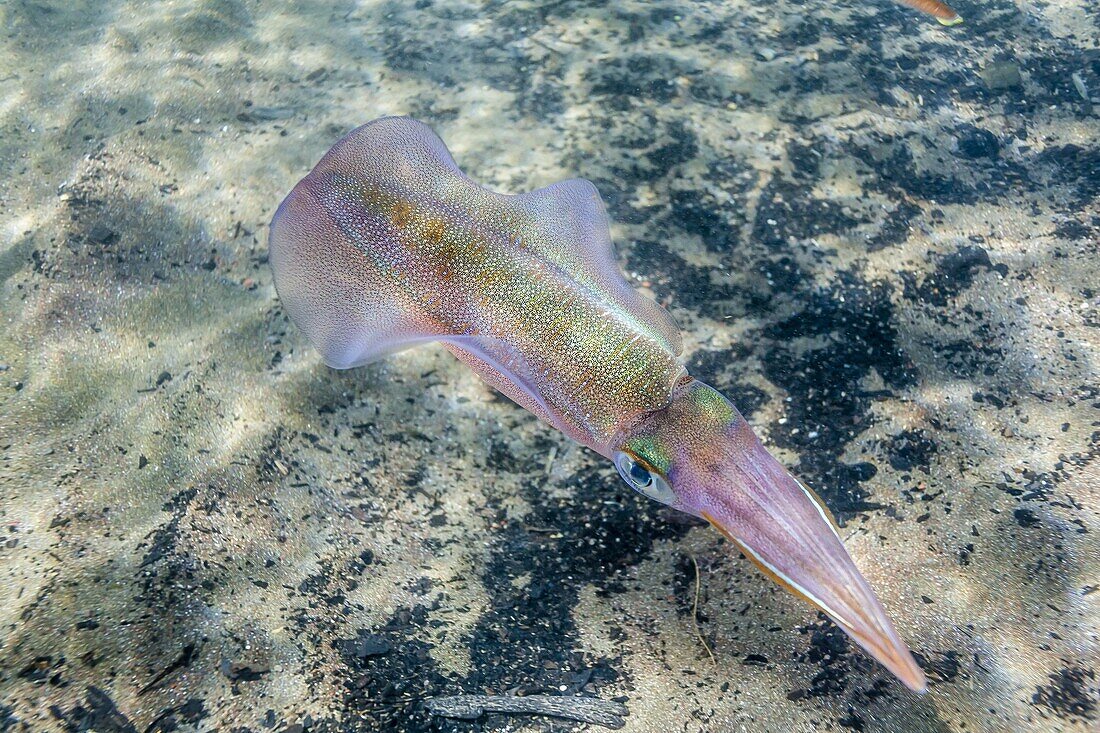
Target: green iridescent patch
(651, 451)
(712, 406)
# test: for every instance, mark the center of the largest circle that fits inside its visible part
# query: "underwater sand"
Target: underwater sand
(879, 236)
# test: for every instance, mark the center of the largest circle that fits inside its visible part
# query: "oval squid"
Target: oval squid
(386, 244)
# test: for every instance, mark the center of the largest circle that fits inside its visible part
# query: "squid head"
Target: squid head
(700, 456)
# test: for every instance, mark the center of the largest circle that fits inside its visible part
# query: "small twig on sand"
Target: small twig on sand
(585, 709)
(695, 614)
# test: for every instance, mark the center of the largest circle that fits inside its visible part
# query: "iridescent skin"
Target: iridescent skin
(386, 244)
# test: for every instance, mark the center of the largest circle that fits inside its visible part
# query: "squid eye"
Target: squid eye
(640, 476)
(641, 479)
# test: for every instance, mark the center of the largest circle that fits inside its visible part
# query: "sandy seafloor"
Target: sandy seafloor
(879, 237)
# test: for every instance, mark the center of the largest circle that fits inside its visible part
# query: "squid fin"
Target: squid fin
(566, 224)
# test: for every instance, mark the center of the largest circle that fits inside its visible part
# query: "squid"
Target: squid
(387, 244)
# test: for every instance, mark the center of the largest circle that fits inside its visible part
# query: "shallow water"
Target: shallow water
(879, 237)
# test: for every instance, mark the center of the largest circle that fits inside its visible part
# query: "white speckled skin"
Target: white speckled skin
(386, 244)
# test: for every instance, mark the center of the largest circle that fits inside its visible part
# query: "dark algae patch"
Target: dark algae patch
(1071, 694)
(896, 227)
(526, 641)
(527, 638)
(390, 674)
(911, 449)
(830, 650)
(1025, 517)
(954, 273)
(1077, 165)
(649, 77)
(97, 712)
(828, 405)
(941, 667)
(605, 528)
(788, 212)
